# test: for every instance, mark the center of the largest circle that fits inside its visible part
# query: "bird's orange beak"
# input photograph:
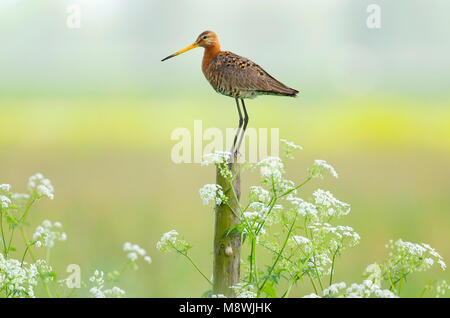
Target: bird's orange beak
(190, 47)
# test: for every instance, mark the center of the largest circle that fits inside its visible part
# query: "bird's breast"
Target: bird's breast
(211, 70)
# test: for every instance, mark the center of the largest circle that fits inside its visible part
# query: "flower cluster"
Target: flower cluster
(334, 237)
(221, 160)
(324, 207)
(272, 172)
(134, 251)
(328, 206)
(244, 291)
(407, 257)
(47, 233)
(212, 192)
(303, 242)
(367, 289)
(304, 208)
(5, 187)
(171, 241)
(289, 147)
(374, 273)
(5, 201)
(17, 279)
(218, 157)
(320, 167)
(259, 194)
(272, 169)
(442, 288)
(98, 290)
(41, 186)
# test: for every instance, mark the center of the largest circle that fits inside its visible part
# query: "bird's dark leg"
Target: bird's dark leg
(241, 121)
(244, 128)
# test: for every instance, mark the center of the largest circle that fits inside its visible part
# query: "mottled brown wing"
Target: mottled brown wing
(241, 75)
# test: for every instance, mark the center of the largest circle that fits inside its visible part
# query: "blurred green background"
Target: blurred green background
(93, 109)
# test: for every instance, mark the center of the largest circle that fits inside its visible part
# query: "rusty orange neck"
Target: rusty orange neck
(210, 54)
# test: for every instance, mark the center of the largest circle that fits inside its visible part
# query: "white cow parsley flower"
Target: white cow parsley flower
(5, 187)
(374, 273)
(134, 252)
(304, 243)
(368, 289)
(335, 237)
(304, 208)
(98, 290)
(47, 233)
(272, 169)
(289, 148)
(259, 194)
(41, 186)
(218, 157)
(329, 206)
(333, 290)
(442, 287)
(17, 279)
(410, 257)
(212, 192)
(5, 201)
(170, 241)
(244, 291)
(320, 167)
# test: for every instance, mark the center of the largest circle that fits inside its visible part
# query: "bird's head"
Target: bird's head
(207, 39)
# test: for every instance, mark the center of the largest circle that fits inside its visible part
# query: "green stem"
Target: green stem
(423, 292)
(10, 241)
(27, 209)
(332, 266)
(24, 253)
(317, 273)
(47, 255)
(254, 261)
(251, 260)
(276, 197)
(295, 188)
(400, 284)
(198, 269)
(313, 285)
(288, 291)
(3, 235)
(27, 244)
(22, 219)
(192, 262)
(278, 256)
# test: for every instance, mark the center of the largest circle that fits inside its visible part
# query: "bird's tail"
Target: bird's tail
(292, 93)
(278, 88)
(287, 91)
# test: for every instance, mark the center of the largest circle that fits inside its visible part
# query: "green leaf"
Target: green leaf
(11, 220)
(234, 230)
(270, 291)
(244, 236)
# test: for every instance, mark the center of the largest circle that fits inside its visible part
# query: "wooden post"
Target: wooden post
(227, 249)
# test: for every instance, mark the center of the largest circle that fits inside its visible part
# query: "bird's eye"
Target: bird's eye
(204, 37)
